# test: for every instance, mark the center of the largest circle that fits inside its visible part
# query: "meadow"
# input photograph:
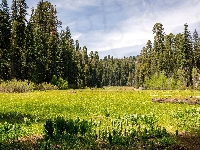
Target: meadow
(26, 113)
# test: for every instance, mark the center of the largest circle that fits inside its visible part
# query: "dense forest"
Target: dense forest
(170, 62)
(35, 50)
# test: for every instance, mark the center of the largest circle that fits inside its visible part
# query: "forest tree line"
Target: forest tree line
(171, 61)
(35, 50)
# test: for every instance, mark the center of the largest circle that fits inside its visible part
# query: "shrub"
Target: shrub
(15, 86)
(129, 132)
(48, 127)
(45, 86)
(59, 82)
(54, 80)
(159, 81)
(62, 84)
(18, 86)
(70, 127)
(9, 131)
(60, 125)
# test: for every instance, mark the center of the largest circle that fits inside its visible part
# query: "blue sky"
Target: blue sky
(122, 27)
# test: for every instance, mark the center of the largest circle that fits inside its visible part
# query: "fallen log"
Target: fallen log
(175, 100)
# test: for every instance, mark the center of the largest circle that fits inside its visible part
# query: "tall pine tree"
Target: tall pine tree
(5, 33)
(46, 41)
(187, 61)
(17, 38)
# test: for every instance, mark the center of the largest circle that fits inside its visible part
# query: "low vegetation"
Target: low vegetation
(15, 86)
(42, 58)
(95, 118)
(18, 86)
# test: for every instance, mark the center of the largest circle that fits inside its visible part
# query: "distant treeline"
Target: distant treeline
(35, 50)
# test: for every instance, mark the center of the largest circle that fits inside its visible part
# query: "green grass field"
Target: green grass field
(31, 110)
(90, 104)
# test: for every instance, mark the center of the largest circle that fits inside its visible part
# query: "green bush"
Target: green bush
(48, 127)
(54, 80)
(62, 84)
(159, 81)
(60, 125)
(9, 131)
(129, 132)
(45, 86)
(59, 82)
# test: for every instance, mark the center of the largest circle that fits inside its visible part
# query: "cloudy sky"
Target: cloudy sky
(122, 27)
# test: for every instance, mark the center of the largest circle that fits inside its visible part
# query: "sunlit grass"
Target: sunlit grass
(88, 104)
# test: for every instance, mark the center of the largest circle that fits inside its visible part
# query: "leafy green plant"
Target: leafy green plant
(59, 82)
(85, 127)
(149, 119)
(49, 127)
(188, 119)
(72, 127)
(60, 125)
(106, 113)
(62, 84)
(9, 132)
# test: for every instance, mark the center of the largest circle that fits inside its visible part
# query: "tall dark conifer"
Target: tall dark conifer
(5, 33)
(196, 50)
(46, 30)
(168, 65)
(158, 49)
(187, 59)
(18, 37)
(29, 46)
(67, 56)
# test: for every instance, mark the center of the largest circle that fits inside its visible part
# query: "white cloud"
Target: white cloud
(137, 29)
(175, 18)
(123, 23)
(75, 36)
(75, 4)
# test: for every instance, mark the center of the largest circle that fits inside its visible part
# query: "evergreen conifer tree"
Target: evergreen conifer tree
(5, 33)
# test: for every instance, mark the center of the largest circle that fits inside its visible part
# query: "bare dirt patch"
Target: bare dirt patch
(189, 142)
(185, 142)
